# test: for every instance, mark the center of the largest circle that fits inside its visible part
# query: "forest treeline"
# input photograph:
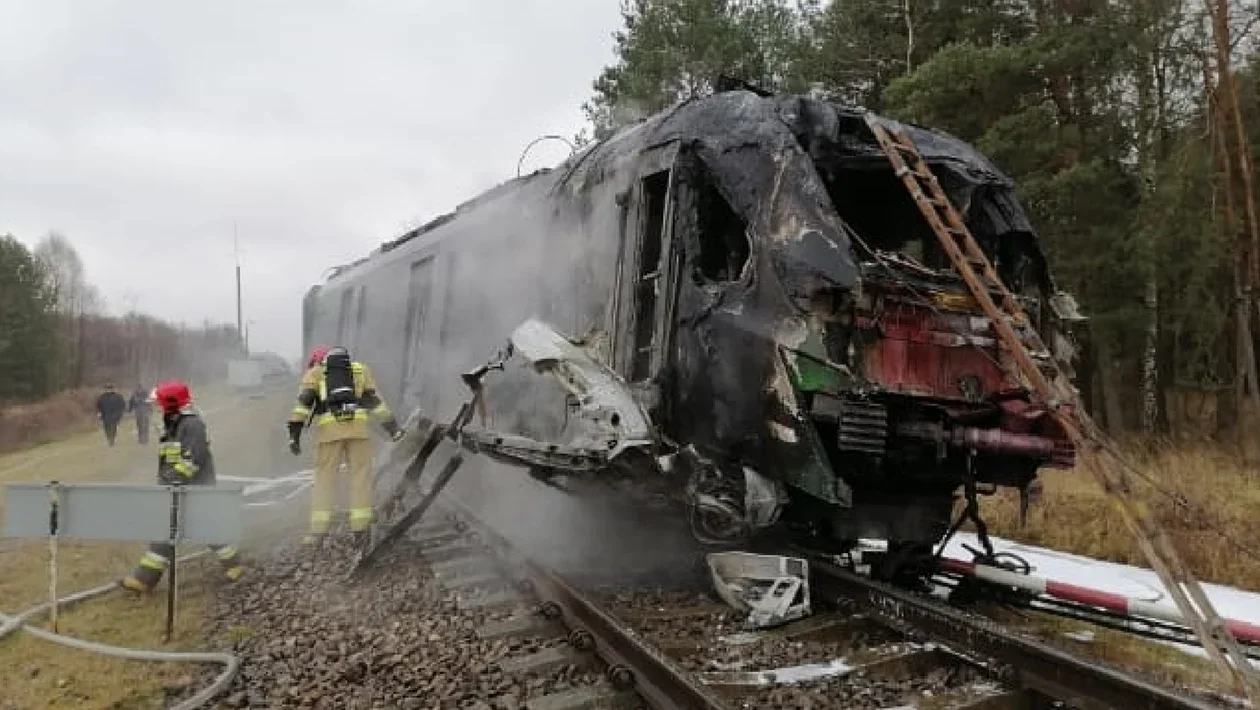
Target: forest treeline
(1107, 113)
(56, 336)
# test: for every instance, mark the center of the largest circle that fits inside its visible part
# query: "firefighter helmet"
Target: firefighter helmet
(317, 355)
(172, 395)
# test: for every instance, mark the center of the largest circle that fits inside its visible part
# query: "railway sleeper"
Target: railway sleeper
(477, 580)
(457, 550)
(546, 660)
(586, 698)
(489, 601)
(520, 625)
(462, 566)
(979, 695)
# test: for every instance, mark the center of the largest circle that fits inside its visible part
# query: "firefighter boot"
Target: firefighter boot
(133, 584)
(146, 574)
(230, 560)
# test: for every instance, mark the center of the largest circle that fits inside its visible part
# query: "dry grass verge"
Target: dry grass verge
(1161, 663)
(23, 426)
(1222, 495)
(1075, 516)
(39, 674)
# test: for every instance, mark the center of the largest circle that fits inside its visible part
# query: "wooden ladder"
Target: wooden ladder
(1061, 398)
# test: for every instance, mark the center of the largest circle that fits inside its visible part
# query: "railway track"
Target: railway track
(873, 646)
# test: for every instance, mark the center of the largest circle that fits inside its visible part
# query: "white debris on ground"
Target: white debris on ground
(772, 589)
(1136, 582)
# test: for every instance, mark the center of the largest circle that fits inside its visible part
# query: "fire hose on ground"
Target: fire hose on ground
(230, 662)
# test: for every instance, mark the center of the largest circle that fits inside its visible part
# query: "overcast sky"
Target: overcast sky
(144, 130)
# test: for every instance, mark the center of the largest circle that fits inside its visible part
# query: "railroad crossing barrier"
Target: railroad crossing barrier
(123, 512)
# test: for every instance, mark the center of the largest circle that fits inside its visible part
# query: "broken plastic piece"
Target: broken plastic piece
(773, 589)
(603, 398)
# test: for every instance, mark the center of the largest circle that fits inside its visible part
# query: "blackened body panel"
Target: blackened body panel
(763, 330)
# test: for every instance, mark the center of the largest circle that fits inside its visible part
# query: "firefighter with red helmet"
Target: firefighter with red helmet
(317, 356)
(184, 458)
(338, 393)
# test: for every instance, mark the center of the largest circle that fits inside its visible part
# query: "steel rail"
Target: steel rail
(1031, 664)
(632, 664)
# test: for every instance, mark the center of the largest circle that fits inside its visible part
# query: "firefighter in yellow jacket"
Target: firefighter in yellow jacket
(337, 394)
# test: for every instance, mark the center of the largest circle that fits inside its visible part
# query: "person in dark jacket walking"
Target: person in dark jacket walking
(138, 405)
(110, 407)
(184, 458)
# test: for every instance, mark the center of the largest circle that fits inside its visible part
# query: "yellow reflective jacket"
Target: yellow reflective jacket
(312, 396)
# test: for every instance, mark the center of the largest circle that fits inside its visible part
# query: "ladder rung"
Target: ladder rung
(939, 203)
(902, 143)
(924, 175)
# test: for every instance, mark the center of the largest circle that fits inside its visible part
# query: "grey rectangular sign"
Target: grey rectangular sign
(118, 511)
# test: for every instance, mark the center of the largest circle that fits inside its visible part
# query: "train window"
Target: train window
(447, 328)
(310, 309)
(723, 235)
(343, 315)
(359, 317)
(655, 192)
(417, 308)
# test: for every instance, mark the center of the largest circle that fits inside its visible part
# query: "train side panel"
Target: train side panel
(444, 302)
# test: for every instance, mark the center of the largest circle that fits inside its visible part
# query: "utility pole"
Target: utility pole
(133, 346)
(236, 252)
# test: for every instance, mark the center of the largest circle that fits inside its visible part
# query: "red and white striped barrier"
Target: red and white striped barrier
(1242, 630)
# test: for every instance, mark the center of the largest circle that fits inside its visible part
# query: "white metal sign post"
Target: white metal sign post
(176, 500)
(54, 504)
(133, 513)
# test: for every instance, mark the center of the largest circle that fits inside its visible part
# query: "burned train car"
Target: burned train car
(765, 323)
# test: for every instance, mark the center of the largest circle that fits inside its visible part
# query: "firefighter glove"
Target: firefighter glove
(391, 428)
(168, 477)
(295, 435)
(177, 469)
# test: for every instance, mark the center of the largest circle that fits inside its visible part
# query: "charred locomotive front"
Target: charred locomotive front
(768, 328)
(828, 366)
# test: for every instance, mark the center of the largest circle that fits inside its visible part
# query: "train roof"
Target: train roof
(736, 114)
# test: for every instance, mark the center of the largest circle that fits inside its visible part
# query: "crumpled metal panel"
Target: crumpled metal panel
(773, 589)
(603, 397)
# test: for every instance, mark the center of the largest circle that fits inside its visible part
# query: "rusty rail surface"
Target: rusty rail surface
(1028, 663)
(632, 664)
